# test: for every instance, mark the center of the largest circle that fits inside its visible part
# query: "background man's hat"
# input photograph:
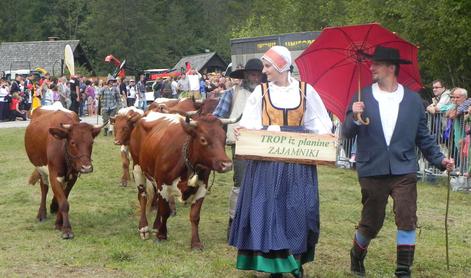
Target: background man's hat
(387, 54)
(251, 65)
(110, 78)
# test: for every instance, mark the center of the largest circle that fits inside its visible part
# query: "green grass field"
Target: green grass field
(106, 244)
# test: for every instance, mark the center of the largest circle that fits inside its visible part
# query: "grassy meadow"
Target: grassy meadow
(104, 217)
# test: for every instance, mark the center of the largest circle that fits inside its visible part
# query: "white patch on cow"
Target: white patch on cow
(44, 172)
(61, 181)
(55, 107)
(138, 175)
(124, 149)
(172, 118)
(201, 193)
(124, 111)
(169, 191)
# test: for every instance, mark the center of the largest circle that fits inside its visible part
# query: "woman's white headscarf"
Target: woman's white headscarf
(279, 57)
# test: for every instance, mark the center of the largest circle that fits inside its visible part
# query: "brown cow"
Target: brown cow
(174, 106)
(124, 123)
(59, 146)
(177, 157)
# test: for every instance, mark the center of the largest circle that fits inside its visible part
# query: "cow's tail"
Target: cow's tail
(34, 178)
(151, 204)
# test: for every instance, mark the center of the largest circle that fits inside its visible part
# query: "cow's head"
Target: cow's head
(207, 144)
(208, 106)
(78, 144)
(123, 126)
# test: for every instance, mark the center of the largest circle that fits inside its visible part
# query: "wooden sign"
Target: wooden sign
(303, 148)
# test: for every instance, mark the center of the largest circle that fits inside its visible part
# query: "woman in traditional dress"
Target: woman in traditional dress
(36, 93)
(276, 226)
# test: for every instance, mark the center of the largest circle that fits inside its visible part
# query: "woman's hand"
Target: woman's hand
(237, 132)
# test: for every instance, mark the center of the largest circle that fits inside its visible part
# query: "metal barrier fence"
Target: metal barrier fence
(442, 129)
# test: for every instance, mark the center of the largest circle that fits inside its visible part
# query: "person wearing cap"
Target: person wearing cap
(276, 224)
(110, 101)
(231, 105)
(131, 98)
(386, 157)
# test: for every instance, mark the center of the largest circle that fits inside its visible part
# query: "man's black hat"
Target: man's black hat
(387, 54)
(251, 65)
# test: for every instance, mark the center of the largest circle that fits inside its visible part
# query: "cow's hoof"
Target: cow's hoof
(197, 247)
(41, 218)
(67, 235)
(124, 183)
(144, 233)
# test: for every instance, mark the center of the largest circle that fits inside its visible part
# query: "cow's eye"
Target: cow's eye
(203, 141)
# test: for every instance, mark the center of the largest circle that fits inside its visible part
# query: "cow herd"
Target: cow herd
(173, 147)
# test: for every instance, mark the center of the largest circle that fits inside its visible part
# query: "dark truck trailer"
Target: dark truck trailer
(243, 49)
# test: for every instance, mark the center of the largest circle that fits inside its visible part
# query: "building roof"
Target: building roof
(44, 54)
(200, 61)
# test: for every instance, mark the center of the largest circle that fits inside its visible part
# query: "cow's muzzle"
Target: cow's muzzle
(225, 167)
(86, 169)
(117, 142)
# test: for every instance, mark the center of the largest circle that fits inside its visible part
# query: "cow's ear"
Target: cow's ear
(58, 133)
(134, 117)
(96, 130)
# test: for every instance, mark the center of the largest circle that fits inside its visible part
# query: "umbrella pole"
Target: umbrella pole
(358, 115)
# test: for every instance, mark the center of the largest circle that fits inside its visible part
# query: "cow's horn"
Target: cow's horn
(100, 126)
(189, 121)
(113, 117)
(66, 126)
(191, 113)
(231, 120)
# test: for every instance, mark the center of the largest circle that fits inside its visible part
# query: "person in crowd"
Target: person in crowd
(90, 91)
(459, 97)
(123, 90)
(82, 94)
(37, 95)
(131, 98)
(157, 88)
(174, 87)
(231, 105)
(74, 85)
(141, 92)
(15, 111)
(5, 99)
(55, 93)
(64, 92)
(183, 86)
(441, 97)
(193, 77)
(110, 102)
(276, 224)
(386, 159)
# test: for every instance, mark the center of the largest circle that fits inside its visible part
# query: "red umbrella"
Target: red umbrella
(335, 66)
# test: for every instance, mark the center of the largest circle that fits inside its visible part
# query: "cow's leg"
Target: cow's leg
(160, 223)
(195, 220)
(143, 225)
(125, 160)
(54, 205)
(62, 219)
(42, 212)
(142, 198)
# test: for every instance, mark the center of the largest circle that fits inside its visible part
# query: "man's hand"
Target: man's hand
(358, 107)
(449, 164)
(237, 132)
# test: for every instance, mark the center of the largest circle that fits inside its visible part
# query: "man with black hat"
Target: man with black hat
(231, 105)
(110, 101)
(386, 157)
